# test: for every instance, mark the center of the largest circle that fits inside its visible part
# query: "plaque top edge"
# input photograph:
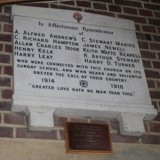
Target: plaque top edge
(67, 15)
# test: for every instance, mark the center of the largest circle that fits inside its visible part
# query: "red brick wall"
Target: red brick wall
(145, 14)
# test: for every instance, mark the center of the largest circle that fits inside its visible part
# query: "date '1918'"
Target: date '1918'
(117, 86)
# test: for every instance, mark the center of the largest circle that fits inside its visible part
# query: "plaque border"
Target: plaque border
(76, 151)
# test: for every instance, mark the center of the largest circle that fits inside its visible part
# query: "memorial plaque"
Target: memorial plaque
(77, 61)
(78, 64)
(87, 138)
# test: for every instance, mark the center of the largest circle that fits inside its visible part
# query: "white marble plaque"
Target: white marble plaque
(61, 61)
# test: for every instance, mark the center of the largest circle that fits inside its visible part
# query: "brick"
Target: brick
(158, 29)
(138, 28)
(65, 7)
(114, 124)
(154, 103)
(145, 12)
(157, 14)
(148, 54)
(146, 126)
(149, 29)
(7, 9)
(99, 6)
(130, 10)
(155, 22)
(100, 12)
(151, 84)
(157, 118)
(8, 70)
(155, 46)
(84, 4)
(8, 48)
(124, 139)
(145, 0)
(4, 18)
(152, 74)
(68, 2)
(129, 3)
(106, 1)
(55, 6)
(155, 94)
(154, 127)
(152, 6)
(6, 132)
(5, 82)
(156, 65)
(150, 139)
(156, 38)
(14, 119)
(159, 107)
(155, 1)
(59, 121)
(148, 37)
(1, 47)
(61, 133)
(142, 36)
(158, 55)
(5, 37)
(5, 106)
(44, 5)
(136, 19)
(114, 8)
(4, 58)
(25, 133)
(1, 69)
(7, 28)
(7, 94)
(147, 64)
(143, 45)
(158, 84)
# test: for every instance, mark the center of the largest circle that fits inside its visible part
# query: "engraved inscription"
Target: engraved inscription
(80, 60)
